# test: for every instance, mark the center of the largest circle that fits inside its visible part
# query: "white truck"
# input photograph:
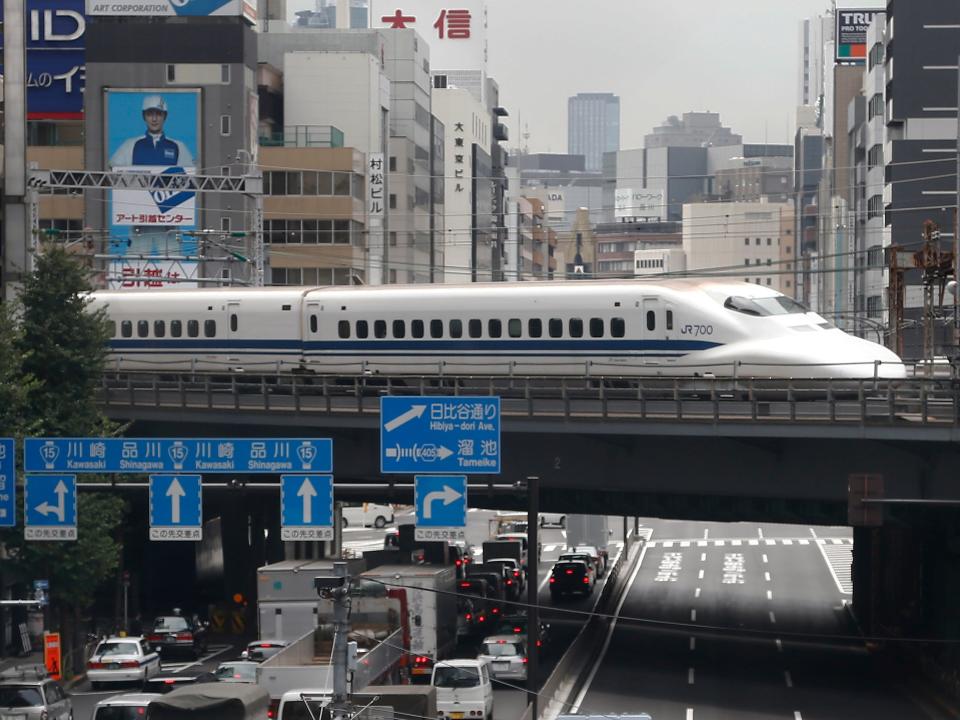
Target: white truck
(432, 611)
(590, 531)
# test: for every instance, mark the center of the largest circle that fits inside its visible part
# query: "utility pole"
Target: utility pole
(337, 588)
(16, 221)
(533, 607)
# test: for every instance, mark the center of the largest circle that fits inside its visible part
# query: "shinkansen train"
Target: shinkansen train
(688, 328)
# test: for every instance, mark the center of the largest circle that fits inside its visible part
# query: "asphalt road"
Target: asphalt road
(767, 586)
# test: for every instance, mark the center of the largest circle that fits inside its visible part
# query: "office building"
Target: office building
(593, 127)
(694, 129)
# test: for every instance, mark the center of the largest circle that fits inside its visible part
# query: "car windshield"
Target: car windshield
(569, 568)
(238, 671)
(500, 649)
(171, 624)
(765, 306)
(456, 677)
(574, 558)
(297, 710)
(13, 696)
(116, 648)
(165, 685)
(259, 654)
(512, 628)
(121, 712)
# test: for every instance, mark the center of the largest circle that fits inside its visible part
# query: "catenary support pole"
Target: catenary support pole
(533, 577)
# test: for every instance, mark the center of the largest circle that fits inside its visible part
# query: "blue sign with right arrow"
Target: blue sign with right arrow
(306, 507)
(441, 505)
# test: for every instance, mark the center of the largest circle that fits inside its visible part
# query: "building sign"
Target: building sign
(375, 188)
(851, 33)
(156, 132)
(166, 8)
(639, 204)
(460, 180)
(455, 29)
(137, 273)
(55, 59)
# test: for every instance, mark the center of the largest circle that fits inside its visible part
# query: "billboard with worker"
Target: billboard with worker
(156, 132)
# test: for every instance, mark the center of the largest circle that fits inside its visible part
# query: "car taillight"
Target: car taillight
(516, 573)
(154, 638)
(524, 661)
(469, 616)
(481, 619)
(141, 711)
(509, 582)
(539, 643)
(586, 580)
(458, 563)
(130, 664)
(184, 636)
(552, 579)
(495, 611)
(94, 665)
(169, 681)
(569, 572)
(518, 630)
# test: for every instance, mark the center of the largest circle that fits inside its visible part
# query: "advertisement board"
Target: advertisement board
(456, 31)
(155, 132)
(851, 33)
(167, 8)
(55, 59)
(641, 204)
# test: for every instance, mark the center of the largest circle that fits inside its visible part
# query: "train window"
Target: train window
(494, 328)
(555, 327)
(535, 327)
(514, 327)
(363, 329)
(193, 328)
(126, 328)
(314, 324)
(456, 328)
(343, 328)
(143, 328)
(234, 322)
(176, 328)
(618, 328)
(475, 328)
(651, 320)
(159, 328)
(596, 327)
(380, 329)
(416, 328)
(111, 328)
(759, 307)
(576, 327)
(669, 319)
(399, 328)
(209, 328)
(436, 328)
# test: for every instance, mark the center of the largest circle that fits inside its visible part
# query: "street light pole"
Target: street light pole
(533, 606)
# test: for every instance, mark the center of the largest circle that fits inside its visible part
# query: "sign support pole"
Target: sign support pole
(533, 607)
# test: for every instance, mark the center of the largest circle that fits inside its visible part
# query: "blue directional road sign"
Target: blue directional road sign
(270, 456)
(8, 484)
(50, 507)
(306, 507)
(441, 505)
(176, 507)
(440, 434)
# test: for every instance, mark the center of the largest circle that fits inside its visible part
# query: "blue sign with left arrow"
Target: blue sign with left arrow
(50, 507)
(306, 507)
(176, 507)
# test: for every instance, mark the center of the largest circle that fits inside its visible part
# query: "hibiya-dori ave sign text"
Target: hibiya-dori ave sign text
(171, 455)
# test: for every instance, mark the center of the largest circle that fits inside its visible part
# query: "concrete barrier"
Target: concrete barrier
(565, 680)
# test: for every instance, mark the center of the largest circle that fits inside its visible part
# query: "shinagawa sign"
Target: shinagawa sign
(171, 455)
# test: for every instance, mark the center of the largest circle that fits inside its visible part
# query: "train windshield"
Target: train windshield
(764, 306)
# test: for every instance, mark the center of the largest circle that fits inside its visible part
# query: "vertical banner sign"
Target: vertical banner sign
(50, 507)
(156, 132)
(851, 33)
(375, 187)
(51, 654)
(8, 483)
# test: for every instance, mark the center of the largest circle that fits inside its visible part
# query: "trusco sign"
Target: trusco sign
(851, 33)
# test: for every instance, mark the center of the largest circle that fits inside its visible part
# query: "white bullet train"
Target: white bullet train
(688, 328)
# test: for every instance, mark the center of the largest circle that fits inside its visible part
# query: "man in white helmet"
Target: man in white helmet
(153, 147)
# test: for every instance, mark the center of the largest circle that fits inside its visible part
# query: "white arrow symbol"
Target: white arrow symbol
(414, 412)
(59, 509)
(443, 453)
(175, 492)
(307, 491)
(448, 495)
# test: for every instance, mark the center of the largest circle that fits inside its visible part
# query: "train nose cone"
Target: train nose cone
(868, 359)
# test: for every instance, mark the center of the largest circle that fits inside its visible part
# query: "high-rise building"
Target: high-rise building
(694, 129)
(593, 126)
(815, 33)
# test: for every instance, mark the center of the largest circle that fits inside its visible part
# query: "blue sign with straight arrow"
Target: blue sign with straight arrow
(306, 505)
(176, 507)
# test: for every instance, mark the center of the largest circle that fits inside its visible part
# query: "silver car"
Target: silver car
(122, 660)
(130, 706)
(507, 656)
(28, 693)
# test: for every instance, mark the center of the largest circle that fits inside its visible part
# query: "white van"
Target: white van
(302, 704)
(464, 690)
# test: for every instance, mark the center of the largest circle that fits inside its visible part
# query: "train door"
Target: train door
(233, 329)
(311, 330)
(651, 323)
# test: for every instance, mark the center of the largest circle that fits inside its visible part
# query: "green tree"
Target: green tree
(59, 350)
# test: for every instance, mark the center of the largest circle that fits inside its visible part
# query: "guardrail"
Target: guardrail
(927, 401)
(556, 691)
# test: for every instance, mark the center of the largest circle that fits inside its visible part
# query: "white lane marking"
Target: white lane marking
(700, 575)
(770, 542)
(696, 594)
(766, 576)
(839, 562)
(737, 543)
(769, 594)
(779, 645)
(208, 656)
(690, 676)
(706, 533)
(765, 558)
(549, 548)
(703, 557)
(543, 584)
(575, 708)
(760, 533)
(797, 715)
(693, 615)
(773, 618)
(693, 643)
(788, 542)
(837, 541)
(685, 543)
(718, 543)
(702, 543)
(753, 543)
(786, 676)
(803, 541)
(690, 714)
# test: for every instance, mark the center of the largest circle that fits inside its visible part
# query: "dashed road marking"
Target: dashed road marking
(779, 645)
(737, 543)
(703, 557)
(789, 680)
(700, 575)
(797, 715)
(702, 543)
(696, 593)
(693, 615)
(690, 714)
(693, 643)
(753, 543)
(788, 542)
(690, 676)
(706, 533)
(769, 594)
(760, 533)
(685, 544)
(804, 541)
(770, 542)
(766, 576)
(773, 618)
(765, 559)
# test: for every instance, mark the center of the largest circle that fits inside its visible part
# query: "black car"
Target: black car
(176, 633)
(572, 576)
(518, 625)
(166, 683)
